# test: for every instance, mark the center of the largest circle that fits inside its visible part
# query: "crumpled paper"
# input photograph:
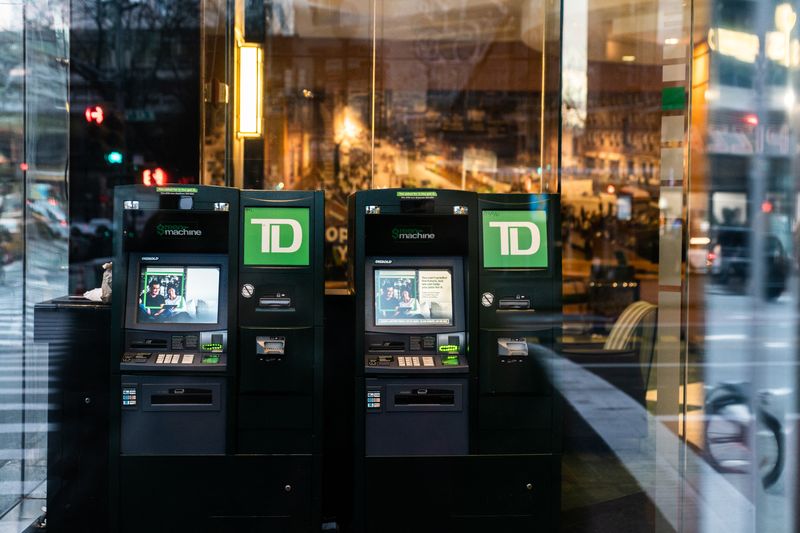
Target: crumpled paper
(102, 293)
(95, 295)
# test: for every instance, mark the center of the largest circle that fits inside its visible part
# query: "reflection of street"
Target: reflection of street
(752, 345)
(431, 179)
(24, 381)
(11, 386)
(732, 324)
(395, 167)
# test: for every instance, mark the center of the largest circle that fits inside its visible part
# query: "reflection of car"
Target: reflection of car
(51, 217)
(729, 260)
(91, 228)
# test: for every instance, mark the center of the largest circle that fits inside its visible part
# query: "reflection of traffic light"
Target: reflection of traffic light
(156, 176)
(105, 140)
(751, 119)
(114, 157)
(94, 114)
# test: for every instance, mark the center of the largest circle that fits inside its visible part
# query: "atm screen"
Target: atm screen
(413, 297)
(178, 295)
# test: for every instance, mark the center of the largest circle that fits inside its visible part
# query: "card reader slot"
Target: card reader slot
(183, 397)
(150, 343)
(425, 397)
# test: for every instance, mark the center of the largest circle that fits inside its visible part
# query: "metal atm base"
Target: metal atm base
(219, 494)
(466, 494)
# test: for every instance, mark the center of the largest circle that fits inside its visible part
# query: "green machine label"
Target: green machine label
(276, 236)
(515, 239)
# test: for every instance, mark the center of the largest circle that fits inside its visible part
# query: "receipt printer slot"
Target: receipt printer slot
(514, 304)
(275, 302)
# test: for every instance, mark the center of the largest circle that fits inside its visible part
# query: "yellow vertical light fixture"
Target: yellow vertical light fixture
(250, 92)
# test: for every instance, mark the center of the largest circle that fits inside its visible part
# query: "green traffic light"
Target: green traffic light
(114, 158)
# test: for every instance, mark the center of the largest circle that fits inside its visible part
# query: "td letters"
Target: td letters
(271, 231)
(510, 234)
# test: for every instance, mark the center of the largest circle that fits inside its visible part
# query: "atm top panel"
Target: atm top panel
(183, 197)
(176, 219)
(175, 231)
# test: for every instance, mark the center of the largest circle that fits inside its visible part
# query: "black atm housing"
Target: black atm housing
(280, 327)
(505, 476)
(208, 434)
(164, 369)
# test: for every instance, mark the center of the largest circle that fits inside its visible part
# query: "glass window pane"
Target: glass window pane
(459, 94)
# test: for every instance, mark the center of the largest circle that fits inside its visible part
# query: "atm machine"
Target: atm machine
(173, 333)
(213, 428)
(453, 411)
(413, 270)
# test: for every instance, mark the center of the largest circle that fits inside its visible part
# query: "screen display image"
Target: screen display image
(178, 294)
(413, 297)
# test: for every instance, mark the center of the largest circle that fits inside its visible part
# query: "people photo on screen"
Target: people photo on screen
(408, 306)
(174, 303)
(388, 302)
(151, 301)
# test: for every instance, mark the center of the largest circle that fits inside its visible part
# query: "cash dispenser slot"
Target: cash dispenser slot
(512, 347)
(425, 397)
(179, 396)
(270, 348)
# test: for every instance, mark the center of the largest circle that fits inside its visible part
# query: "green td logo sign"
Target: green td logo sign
(514, 239)
(276, 236)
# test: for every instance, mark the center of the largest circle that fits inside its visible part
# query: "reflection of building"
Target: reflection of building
(139, 62)
(620, 142)
(731, 133)
(440, 88)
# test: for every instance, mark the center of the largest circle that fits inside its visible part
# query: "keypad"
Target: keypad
(175, 358)
(415, 361)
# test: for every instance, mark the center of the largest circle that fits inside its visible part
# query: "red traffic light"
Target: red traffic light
(156, 176)
(94, 114)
